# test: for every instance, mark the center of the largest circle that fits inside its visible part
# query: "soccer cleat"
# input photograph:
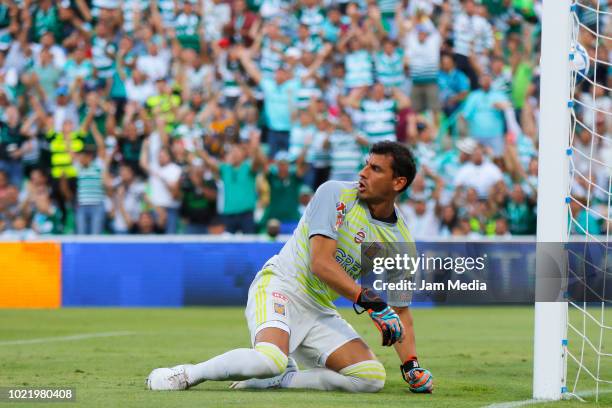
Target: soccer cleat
(265, 383)
(168, 379)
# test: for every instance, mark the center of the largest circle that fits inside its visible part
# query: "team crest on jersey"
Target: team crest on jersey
(360, 236)
(279, 309)
(340, 213)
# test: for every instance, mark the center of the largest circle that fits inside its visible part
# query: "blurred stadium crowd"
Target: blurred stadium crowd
(206, 116)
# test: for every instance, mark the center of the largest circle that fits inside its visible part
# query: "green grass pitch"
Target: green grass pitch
(478, 356)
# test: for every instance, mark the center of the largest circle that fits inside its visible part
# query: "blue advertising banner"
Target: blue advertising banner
(160, 274)
(173, 274)
(122, 274)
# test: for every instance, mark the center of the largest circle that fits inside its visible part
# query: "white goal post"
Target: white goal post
(550, 329)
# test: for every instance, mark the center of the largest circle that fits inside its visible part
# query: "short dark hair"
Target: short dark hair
(403, 161)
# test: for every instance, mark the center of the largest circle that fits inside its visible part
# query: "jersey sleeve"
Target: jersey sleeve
(326, 211)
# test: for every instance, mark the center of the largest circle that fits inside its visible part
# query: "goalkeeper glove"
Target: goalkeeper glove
(419, 379)
(385, 319)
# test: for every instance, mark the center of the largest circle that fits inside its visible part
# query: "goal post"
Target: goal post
(550, 326)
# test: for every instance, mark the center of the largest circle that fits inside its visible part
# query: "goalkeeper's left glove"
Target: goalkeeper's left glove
(385, 319)
(419, 379)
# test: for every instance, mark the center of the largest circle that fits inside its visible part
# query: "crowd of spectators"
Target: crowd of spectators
(210, 117)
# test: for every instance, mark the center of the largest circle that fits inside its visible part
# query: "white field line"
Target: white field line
(515, 404)
(65, 338)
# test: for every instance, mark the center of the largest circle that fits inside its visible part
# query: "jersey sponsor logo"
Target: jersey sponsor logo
(279, 309)
(360, 237)
(350, 265)
(340, 214)
(280, 297)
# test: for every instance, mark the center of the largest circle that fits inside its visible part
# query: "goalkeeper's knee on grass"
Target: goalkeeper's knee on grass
(276, 360)
(366, 376)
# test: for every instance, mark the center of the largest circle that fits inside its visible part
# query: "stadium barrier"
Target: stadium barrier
(160, 274)
(175, 271)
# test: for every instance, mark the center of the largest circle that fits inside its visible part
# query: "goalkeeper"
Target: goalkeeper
(290, 311)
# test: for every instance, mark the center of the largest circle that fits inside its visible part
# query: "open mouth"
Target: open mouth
(361, 187)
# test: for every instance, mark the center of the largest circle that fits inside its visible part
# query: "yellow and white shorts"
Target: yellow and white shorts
(313, 334)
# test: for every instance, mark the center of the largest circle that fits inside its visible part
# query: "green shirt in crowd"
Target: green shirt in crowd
(239, 193)
(520, 84)
(284, 196)
(521, 218)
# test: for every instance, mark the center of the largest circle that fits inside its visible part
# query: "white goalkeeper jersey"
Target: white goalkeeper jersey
(336, 212)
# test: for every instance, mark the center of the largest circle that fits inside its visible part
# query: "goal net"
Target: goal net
(588, 345)
(573, 336)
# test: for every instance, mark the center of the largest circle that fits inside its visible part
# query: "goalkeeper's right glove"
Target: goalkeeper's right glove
(419, 379)
(385, 319)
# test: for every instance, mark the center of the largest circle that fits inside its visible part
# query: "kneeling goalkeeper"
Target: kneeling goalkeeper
(290, 311)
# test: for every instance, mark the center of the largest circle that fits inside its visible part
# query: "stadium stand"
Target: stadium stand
(211, 117)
